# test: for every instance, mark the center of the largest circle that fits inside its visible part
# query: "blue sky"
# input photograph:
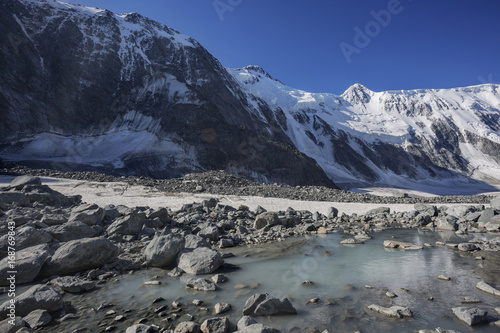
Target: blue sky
(328, 45)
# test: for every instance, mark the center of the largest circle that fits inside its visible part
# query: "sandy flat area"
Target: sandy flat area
(124, 194)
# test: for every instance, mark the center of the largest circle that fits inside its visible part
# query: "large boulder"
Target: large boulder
(47, 196)
(201, 260)
(38, 318)
(471, 316)
(28, 263)
(88, 214)
(428, 210)
(448, 223)
(163, 250)
(460, 210)
(37, 297)
(79, 255)
(495, 203)
(127, 225)
(266, 305)
(70, 231)
(266, 219)
(19, 182)
(26, 236)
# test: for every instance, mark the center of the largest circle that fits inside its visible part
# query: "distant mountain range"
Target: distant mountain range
(85, 88)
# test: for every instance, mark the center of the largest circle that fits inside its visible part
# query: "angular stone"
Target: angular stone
(266, 219)
(139, 328)
(127, 225)
(19, 182)
(393, 311)
(467, 247)
(215, 325)
(7, 327)
(79, 255)
(401, 245)
(199, 261)
(221, 308)
(28, 264)
(210, 232)
(163, 250)
(245, 321)
(471, 316)
(257, 328)
(448, 223)
(38, 318)
(73, 284)
(483, 286)
(70, 231)
(201, 285)
(194, 241)
(187, 327)
(14, 197)
(266, 305)
(351, 241)
(27, 236)
(37, 297)
(88, 214)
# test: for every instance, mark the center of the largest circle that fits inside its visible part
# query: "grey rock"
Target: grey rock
(332, 212)
(28, 264)
(139, 328)
(201, 284)
(483, 286)
(88, 214)
(73, 284)
(438, 330)
(393, 311)
(226, 242)
(215, 325)
(194, 241)
(467, 247)
(70, 231)
(54, 219)
(447, 223)
(187, 327)
(351, 241)
(38, 318)
(163, 250)
(199, 261)
(127, 225)
(14, 197)
(401, 245)
(266, 219)
(379, 210)
(161, 213)
(27, 236)
(266, 305)
(79, 255)
(426, 209)
(176, 272)
(221, 308)
(37, 297)
(210, 232)
(7, 327)
(459, 210)
(218, 278)
(471, 316)
(19, 182)
(245, 321)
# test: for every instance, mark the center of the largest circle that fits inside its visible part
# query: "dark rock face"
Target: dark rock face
(69, 78)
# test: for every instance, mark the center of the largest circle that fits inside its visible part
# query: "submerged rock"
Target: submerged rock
(401, 245)
(483, 286)
(201, 285)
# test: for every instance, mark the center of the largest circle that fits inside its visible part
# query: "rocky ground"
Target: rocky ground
(219, 182)
(65, 246)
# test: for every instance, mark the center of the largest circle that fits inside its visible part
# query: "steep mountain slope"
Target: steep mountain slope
(84, 86)
(389, 137)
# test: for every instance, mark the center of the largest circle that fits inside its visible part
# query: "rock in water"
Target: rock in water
(187, 327)
(483, 286)
(201, 285)
(393, 311)
(28, 264)
(402, 245)
(471, 316)
(163, 250)
(257, 328)
(139, 328)
(37, 297)
(199, 261)
(266, 305)
(79, 255)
